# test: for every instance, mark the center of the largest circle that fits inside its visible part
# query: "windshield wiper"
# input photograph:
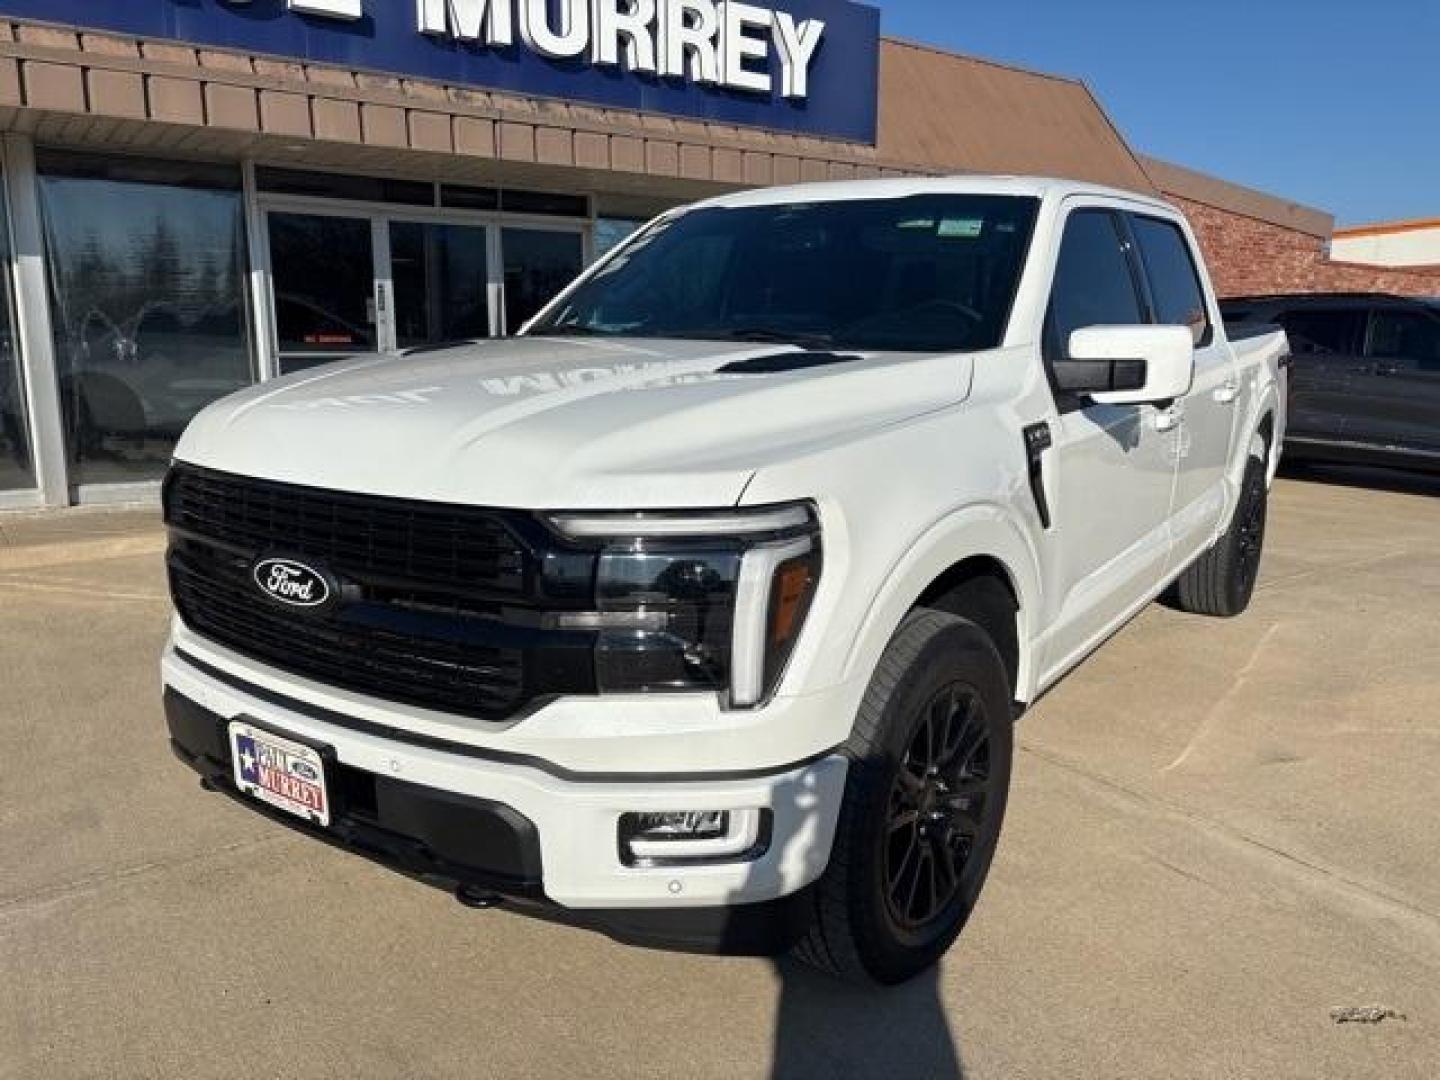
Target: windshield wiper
(803, 338)
(569, 330)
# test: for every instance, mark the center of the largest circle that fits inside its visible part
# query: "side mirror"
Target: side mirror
(1128, 365)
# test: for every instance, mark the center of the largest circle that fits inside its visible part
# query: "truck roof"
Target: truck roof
(1328, 299)
(899, 187)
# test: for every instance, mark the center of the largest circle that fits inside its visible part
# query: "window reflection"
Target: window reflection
(324, 275)
(440, 274)
(17, 469)
(609, 232)
(148, 303)
(538, 264)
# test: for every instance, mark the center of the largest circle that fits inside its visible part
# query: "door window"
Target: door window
(1174, 282)
(1323, 331)
(539, 263)
(1408, 337)
(1094, 285)
(440, 275)
(324, 274)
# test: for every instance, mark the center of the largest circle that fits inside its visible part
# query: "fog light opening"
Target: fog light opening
(695, 837)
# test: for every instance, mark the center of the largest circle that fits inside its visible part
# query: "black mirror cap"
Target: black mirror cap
(1099, 376)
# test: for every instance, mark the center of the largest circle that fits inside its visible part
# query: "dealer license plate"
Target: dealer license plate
(286, 774)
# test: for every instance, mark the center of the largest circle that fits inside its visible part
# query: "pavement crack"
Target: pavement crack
(22, 901)
(1212, 716)
(1331, 568)
(1182, 872)
(39, 556)
(1317, 875)
(88, 593)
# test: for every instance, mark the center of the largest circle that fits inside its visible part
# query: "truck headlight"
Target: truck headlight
(689, 601)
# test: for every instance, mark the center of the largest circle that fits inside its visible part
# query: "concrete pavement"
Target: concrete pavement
(1219, 831)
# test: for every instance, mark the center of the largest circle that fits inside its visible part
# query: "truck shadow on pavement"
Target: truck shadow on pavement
(1374, 478)
(826, 1028)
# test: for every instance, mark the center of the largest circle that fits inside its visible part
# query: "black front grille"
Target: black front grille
(358, 536)
(421, 586)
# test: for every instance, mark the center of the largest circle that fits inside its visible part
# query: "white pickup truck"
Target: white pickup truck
(700, 613)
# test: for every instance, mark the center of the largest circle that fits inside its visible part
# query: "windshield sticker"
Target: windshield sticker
(961, 228)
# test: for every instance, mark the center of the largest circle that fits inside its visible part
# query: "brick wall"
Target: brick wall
(1247, 256)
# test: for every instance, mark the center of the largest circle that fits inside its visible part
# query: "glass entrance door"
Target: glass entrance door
(440, 280)
(538, 264)
(322, 272)
(351, 278)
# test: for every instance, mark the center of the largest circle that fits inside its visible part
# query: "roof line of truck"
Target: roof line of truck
(897, 187)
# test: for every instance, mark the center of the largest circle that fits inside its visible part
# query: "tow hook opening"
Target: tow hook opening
(478, 898)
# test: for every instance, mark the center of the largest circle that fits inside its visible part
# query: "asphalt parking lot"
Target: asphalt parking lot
(1219, 832)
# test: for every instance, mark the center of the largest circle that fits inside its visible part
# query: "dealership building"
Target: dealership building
(200, 194)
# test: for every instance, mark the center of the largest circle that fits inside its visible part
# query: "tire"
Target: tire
(1222, 580)
(911, 838)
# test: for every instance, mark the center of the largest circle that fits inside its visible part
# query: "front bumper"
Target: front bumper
(518, 830)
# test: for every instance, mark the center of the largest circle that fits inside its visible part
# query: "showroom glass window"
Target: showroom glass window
(17, 468)
(147, 267)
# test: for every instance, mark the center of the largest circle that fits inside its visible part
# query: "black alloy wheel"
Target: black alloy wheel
(930, 757)
(1250, 532)
(938, 807)
(1222, 580)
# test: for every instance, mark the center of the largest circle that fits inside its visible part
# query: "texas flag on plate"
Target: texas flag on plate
(286, 774)
(249, 757)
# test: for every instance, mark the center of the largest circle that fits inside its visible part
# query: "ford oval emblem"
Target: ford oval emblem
(291, 582)
(304, 770)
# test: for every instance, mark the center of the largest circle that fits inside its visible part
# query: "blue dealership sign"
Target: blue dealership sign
(803, 66)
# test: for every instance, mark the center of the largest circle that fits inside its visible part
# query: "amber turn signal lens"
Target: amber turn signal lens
(792, 587)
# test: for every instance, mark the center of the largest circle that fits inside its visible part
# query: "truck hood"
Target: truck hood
(551, 423)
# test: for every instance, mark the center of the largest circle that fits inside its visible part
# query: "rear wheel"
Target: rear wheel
(1222, 580)
(931, 753)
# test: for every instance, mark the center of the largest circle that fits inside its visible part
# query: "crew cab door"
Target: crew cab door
(1396, 391)
(1207, 412)
(1325, 346)
(1111, 468)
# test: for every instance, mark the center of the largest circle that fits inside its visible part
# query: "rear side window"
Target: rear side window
(1324, 331)
(1174, 281)
(1408, 336)
(1093, 283)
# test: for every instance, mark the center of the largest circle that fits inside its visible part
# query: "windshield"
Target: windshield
(925, 273)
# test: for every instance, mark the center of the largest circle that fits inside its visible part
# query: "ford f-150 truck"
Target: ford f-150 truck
(701, 611)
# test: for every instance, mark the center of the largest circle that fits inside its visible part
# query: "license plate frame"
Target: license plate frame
(286, 773)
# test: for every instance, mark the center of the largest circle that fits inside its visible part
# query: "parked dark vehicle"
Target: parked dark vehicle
(1364, 378)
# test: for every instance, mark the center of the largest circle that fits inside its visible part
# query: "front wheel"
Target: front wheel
(1222, 580)
(924, 799)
